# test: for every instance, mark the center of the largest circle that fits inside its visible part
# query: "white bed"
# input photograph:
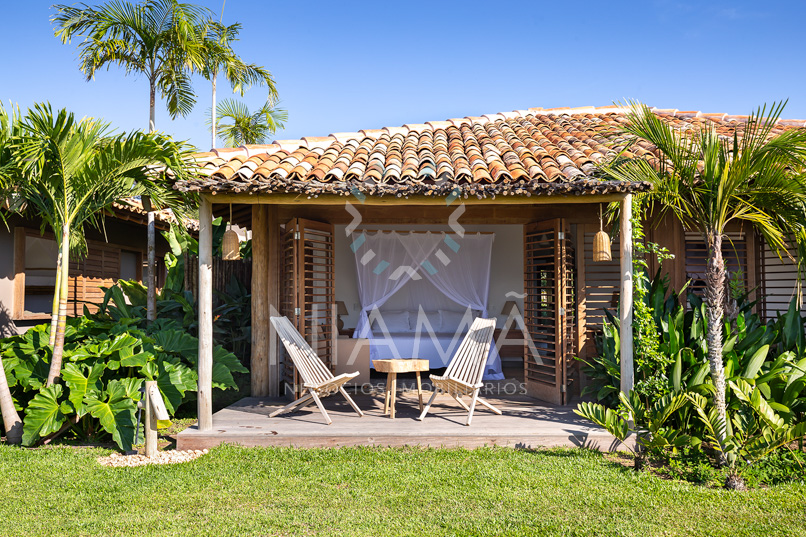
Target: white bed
(438, 348)
(432, 335)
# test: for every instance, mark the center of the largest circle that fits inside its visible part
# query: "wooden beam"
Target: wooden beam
(18, 307)
(625, 313)
(388, 200)
(275, 260)
(260, 312)
(205, 394)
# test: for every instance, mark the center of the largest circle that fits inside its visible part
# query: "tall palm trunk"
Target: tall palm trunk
(714, 304)
(151, 269)
(212, 134)
(11, 420)
(58, 347)
(152, 108)
(54, 312)
(151, 283)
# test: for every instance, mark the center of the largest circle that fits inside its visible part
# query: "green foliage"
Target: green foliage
(765, 370)
(650, 361)
(647, 422)
(754, 429)
(243, 127)
(107, 356)
(164, 40)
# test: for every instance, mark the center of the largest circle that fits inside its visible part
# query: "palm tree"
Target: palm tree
(71, 171)
(248, 128)
(221, 58)
(9, 125)
(167, 42)
(160, 39)
(707, 181)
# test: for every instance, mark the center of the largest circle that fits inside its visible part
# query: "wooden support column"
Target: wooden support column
(274, 263)
(260, 311)
(625, 313)
(205, 395)
(18, 305)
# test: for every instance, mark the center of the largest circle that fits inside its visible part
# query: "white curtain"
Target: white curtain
(384, 266)
(458, 267)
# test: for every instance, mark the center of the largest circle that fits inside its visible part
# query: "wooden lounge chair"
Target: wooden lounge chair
(463, 375)
(317, 380)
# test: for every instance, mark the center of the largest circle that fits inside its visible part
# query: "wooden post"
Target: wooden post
(625, 314)
(274, 261)
(18, 306)
(260, 310)
(151, 272)
(150, 423)
(205, 399)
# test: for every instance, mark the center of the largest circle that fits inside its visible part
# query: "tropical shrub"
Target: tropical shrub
(647, 422)
(106, 361)
(765, 371)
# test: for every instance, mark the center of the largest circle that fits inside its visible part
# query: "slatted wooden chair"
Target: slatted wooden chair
(464, 373)
(317, 380)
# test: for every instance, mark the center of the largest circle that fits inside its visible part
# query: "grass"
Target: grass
(254, 491)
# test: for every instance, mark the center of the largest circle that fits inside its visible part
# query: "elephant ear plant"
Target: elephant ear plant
(107, 359)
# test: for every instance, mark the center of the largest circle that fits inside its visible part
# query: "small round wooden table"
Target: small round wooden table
(392, 368)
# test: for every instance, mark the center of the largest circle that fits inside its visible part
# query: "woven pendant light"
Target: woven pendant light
(230, 245)
(601, 242)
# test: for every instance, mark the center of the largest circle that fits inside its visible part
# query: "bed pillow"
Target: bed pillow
(395, 321)
(434, 318)
(451, 320)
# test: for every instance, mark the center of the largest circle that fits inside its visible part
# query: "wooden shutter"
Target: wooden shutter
(734, 250)
(779, 281)
(100, 268)
(307, 289)
(549, 310)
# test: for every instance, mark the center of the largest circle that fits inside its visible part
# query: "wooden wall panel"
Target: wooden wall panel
(734, 250)
(779, 281)
(602, 283)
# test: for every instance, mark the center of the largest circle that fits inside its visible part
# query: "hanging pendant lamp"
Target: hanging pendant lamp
(230, 245)
(601, 242)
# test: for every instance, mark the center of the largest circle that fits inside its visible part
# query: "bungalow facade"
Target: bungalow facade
(384, 235)
(28, 264)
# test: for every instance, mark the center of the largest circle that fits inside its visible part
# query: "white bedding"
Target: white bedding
(437, 349)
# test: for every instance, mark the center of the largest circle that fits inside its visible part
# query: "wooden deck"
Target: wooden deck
(526, 423)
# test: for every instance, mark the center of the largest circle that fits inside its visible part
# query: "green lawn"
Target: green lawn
(237, 491)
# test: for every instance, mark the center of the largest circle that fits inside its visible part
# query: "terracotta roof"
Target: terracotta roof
(523, 152)
(165, 216)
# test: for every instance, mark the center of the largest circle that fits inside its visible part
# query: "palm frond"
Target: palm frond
(237, 126)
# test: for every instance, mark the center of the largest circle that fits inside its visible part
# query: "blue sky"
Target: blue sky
(344, 66)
